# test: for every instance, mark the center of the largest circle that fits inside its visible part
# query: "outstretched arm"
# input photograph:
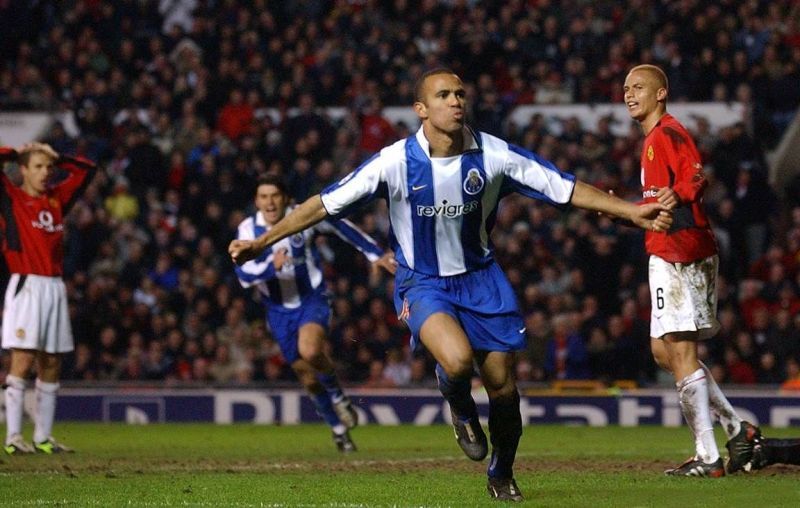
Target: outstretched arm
(651, 216)
(302, 217)
(363, 242)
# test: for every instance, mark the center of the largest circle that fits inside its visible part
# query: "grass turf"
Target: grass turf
(248, 465)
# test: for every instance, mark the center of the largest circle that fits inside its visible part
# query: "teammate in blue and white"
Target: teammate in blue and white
(442, 185)
(289, 277)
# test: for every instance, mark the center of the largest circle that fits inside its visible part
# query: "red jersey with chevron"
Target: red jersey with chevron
(33, 227)
(670, 159)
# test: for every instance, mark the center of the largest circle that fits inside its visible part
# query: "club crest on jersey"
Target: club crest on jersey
(473, 183)
(20, 333)
(297, 240)
(651, 154)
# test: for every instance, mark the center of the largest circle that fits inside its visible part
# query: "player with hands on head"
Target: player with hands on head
(443, 185)
(36, 326)
(289, 278)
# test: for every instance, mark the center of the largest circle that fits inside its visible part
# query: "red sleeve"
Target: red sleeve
(7, 154)
(684, 160)
(80, 171)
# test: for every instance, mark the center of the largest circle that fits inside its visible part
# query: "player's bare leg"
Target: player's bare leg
(311, 346)
(443, 336)
(307, 375)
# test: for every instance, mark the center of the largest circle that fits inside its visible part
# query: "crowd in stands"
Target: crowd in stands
(175, 99)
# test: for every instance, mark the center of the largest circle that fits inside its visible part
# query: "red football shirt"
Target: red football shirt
(34, 227)
(670, 159)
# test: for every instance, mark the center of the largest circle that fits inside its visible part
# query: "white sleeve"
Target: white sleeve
(355, 189)
(256, 270)
(536, 177)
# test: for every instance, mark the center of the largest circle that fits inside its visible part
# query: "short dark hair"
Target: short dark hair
(270, 179)
(421, 81)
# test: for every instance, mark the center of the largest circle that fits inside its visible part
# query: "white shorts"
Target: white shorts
(35, 314)
(683, 297)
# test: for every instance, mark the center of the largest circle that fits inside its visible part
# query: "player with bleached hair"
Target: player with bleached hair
(683, 273)
(289, 278)
(36, 326)
(443, 184)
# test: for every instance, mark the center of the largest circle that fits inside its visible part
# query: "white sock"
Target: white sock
(339, 429)
(730, 421)
(693, 396)
(45, 410)
(15, 395)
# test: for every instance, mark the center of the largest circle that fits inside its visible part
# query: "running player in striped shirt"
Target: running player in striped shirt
(442, 185)
(289, 277)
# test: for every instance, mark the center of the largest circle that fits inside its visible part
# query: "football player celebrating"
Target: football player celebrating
(289, 278)
(443, 184)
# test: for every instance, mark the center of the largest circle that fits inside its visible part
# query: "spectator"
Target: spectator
(223, 369)
(396, 371)
(146, 167)
(567, 357)
(376, 131)
(121, 205)
(235, 117)
(739, 371)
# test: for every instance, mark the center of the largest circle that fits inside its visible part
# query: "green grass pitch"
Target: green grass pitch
(249, 465)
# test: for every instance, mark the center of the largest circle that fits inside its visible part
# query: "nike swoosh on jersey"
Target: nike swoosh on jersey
(415, 188)
(522, 330)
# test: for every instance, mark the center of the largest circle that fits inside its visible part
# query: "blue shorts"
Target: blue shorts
(481, 300)
(285, 323)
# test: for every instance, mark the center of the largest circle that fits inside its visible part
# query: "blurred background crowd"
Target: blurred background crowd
(185, 102)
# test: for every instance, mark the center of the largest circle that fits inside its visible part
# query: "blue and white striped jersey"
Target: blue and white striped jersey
(442, 209)
(301, 275)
